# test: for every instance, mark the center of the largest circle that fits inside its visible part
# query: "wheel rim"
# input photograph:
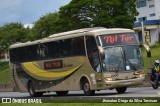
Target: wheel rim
(86, 87)
(31, 90)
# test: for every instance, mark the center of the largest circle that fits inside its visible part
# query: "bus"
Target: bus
(88, 59)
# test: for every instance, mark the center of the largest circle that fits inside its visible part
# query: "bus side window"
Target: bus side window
(78, 46)
(13, 56)
(17, 54)
(21, 54)
(65, 47)
(53, 49)
(92, 52)
(42, 51)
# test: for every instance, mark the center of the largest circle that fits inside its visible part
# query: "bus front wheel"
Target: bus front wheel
(31, 90)
(86, 88)
(121, 90)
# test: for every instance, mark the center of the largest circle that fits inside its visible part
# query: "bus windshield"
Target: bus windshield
(124, 58)
(133, 57)
(114, 60)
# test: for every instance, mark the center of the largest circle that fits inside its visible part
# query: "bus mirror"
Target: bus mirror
(101, 51)
(147, 49)
(149, 54)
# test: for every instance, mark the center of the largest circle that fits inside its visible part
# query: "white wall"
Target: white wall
(157, 4)
(154, 36)
(146, 11)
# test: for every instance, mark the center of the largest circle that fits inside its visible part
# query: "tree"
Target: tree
(12, 33)
(104, 13)
(86, 13)
(46, 25)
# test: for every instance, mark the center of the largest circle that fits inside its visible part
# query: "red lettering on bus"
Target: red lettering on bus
(53, 64)
(48, 65)
(128, 39)
(56, 64)
(111, 39)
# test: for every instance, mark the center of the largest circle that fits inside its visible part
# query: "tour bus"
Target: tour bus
(88, 59)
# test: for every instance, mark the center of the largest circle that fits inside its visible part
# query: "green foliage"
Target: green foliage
(3, 66)
(5, 76)
(87, 13)
(104, 13)
(148, 62)
(12, 33)
(77, 14)
(157, 44)
(46, 25)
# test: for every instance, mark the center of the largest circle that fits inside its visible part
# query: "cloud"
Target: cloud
(27, 11)
(28, 25)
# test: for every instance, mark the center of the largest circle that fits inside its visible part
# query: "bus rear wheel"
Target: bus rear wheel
(121, 90)
(86, 88)
(31, 90)
(61, 93)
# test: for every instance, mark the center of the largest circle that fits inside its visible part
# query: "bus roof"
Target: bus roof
(70, 34)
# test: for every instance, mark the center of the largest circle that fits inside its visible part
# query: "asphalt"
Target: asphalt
(131, 92)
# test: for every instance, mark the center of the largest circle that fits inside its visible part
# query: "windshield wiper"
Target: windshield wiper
(134, 68)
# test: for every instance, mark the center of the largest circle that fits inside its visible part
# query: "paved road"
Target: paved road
(131, 92)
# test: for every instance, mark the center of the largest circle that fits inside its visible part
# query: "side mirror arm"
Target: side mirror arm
(147, 50)
(101, 51)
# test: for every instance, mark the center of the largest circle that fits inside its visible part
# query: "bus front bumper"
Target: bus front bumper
(124, 83)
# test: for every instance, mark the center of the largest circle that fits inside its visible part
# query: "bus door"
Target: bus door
(94, 59)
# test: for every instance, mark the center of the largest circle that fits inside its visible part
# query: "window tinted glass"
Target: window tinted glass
(13, 56)
(78, 46)
(93, 54)
(65, 47)
(31, 53)
(53, 49)
(41, 51)
(21, 54)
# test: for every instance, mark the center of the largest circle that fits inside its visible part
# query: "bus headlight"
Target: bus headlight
(109, 79)
(140, 76)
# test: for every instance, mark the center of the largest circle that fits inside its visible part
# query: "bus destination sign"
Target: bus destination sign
(53, 64)
(118, 39)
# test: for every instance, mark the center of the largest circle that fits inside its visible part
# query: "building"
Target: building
(148, 21)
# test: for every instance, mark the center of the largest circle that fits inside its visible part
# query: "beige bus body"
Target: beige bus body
(74, 70)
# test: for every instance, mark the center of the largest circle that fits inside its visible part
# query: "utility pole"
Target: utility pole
(143, 32)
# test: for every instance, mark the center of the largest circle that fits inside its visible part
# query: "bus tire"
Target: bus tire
(61, 93)
(155, 86)
(121, 90)
(31, 90)
(86, 88)
(39, 94)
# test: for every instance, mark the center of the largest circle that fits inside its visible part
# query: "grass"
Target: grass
(4, 73)
(148, 62)
(4, 66)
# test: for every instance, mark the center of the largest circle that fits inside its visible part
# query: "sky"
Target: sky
(27, 11)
